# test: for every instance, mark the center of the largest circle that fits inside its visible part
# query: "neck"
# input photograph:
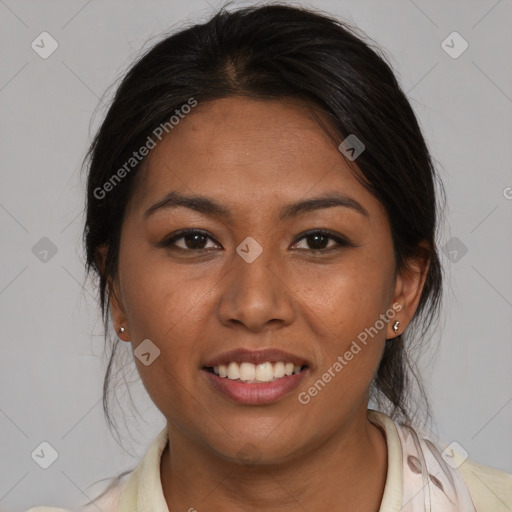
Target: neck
(346, 472)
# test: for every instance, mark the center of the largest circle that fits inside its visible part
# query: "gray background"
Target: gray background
(51, 369)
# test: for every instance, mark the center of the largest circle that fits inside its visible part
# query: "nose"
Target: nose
(256, 293)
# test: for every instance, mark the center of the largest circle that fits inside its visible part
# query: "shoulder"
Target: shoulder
(482, 488)
(47, 509)
(108, 497)
(103, 498)
(490, 489)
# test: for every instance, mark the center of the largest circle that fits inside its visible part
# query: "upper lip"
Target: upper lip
(241, 355)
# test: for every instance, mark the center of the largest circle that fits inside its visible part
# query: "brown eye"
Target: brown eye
(317, 241)
(193, 240)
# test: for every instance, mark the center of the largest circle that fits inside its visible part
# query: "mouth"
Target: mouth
(255, 377)
(250, 373)
(249, 383)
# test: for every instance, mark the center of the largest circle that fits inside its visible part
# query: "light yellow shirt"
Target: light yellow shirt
(141, 490)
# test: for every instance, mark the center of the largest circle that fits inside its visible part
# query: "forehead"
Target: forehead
(246, 149)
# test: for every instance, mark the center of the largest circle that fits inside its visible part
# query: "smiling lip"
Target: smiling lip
(242, 355)
(255, 393)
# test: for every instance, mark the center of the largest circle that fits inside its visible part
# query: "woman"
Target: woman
(261, 213)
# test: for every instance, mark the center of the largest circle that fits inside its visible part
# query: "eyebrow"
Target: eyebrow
(210, 207)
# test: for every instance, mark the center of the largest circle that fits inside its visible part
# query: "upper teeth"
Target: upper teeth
(263, 372)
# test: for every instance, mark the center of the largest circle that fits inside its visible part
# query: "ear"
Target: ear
(116, 307)
(408, 287)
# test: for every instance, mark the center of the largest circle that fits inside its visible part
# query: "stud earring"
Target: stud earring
(122, 329)
(395, 326)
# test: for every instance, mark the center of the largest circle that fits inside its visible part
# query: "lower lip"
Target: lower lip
(256, 393)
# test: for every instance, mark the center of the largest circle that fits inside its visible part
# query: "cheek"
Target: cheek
(347, 303)
(351, 338)
(163, 303)
(348, 297)
(161, 297)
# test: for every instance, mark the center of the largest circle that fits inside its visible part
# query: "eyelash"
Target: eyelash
(339, 239)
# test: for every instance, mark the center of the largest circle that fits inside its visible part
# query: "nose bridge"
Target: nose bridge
(253, 262)
(254, 291)
(251, 269)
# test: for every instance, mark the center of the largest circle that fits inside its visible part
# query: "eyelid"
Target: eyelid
(168, 240)
(341, 240)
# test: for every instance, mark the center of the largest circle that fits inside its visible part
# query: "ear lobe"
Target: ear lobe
(117, 311)
(116, 308)
(408, 288)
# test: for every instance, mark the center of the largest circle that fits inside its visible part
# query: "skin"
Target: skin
(253, 157)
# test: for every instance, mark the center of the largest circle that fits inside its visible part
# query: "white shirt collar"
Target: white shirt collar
(143, 489)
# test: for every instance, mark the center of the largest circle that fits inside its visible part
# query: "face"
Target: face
(256, 279)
